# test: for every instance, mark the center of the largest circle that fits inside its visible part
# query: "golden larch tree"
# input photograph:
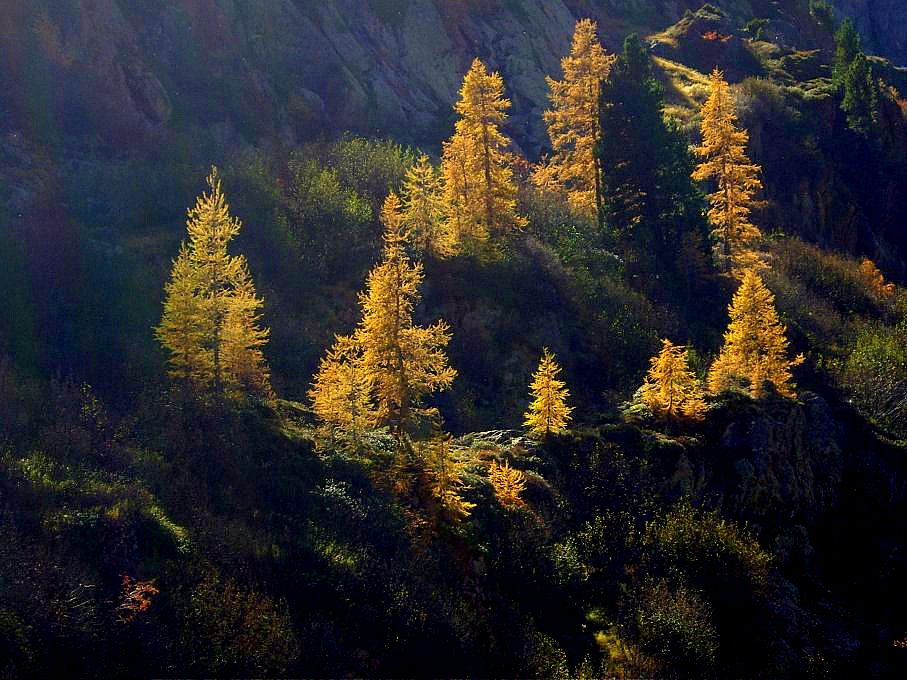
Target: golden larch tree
(755, 347)
(548, 413)
(736, 179)
(341, 392)
(422, 195)
(671, 388)
(186, 326)
(206, 281)
(245, 370)
(480, 193)
(403, 362)
(508, 484)
(573, 122)
(446, 476)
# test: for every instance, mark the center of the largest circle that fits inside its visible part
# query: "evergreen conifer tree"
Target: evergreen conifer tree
(649, 201)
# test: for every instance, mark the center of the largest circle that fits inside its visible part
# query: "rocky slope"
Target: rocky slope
(123, 69)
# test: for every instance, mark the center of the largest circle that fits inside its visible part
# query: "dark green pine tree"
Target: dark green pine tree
(861, 97)
(848, 45)
(650, 204)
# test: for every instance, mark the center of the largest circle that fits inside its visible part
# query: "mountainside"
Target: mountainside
(417, 391)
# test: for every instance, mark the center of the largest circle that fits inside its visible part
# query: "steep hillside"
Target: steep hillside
(316, 439)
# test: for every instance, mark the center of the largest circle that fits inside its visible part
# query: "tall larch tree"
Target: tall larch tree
(423, 208)
(548, 412)
(480, 193)
(186, 327)
(403, 362)
(736, 179)
(755, 347)
(671, 388)
(573, 124)
(219, 288)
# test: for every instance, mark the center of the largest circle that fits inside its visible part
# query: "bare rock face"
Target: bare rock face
(122, 69)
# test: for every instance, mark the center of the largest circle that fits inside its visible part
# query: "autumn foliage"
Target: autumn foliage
(755, 347)
(508, 483)
(211, 324)
(671, 388)
(573, 125)
(548, 413)
(479, 189)
(736, 179)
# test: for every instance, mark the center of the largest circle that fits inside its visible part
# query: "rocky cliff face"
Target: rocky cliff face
(122, 69)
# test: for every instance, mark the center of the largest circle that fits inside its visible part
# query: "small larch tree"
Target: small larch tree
(671, 388)
(423, 208)
(211, 323)
(508, 484)
(736, 179)
(244, 367)
(548, 412)
(573, 124)
(403, 362)
(755, 347)
(480, 193)
(874, 280)
(186, 327)
(341, 393)
(445, 476)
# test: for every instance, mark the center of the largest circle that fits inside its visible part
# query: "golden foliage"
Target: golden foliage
(724, 161)
(573, 124)
(445, 475)
(186, 327)
(243, 363)
(423, 208)
(875, 280)
(671, 388)
(508, 484)
(479, 190)
(135, 598)
(341, 393)
(755, 343)
(211, 320)
(403, 362)
(548, 413)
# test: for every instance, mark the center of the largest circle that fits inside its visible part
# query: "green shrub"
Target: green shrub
(874, 371)
(707, 551)
(675, 626)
